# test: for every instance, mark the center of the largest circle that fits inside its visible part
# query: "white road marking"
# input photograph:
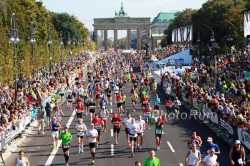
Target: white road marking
(111, 110)
(172, 149)
(112, 149)
(53, 153)
(112, 133)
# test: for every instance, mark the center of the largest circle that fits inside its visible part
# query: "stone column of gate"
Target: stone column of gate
(106, 40)
(96, 36)
(115, 40)
(149, 41)
(129, 38)
(138, 39)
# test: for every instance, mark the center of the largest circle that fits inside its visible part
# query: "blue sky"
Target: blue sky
(86, 10)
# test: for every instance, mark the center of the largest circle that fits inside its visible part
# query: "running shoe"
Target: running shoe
(93, 161)
(67, 164)
(79, 150)
(82, 151)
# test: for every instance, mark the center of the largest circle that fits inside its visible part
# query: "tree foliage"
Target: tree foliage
(27, 11)
(222, 16)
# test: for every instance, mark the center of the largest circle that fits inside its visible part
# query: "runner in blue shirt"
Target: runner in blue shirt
(157, 101)
(211, 145)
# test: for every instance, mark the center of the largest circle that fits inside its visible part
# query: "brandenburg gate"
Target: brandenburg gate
(122, 22)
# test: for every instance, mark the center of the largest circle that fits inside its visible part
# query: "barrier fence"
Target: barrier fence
(14, 130)
(222, 126)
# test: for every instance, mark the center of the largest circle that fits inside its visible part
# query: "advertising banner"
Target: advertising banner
(182, 34)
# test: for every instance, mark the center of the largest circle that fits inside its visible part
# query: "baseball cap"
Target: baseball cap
(237, 142)
(103, 106)
(92, 124)
(209, 139)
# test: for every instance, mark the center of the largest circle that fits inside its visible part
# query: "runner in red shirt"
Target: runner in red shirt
(116, 121)
(98, 95)
(98, 125)
(144, 102)
(169, 104)
(119, 100)
(79, 100)
(79, 110)
(146, 81)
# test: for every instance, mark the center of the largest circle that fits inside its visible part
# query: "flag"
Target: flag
(29, 98)
(246, 24)
(33, 95)
(38, 95)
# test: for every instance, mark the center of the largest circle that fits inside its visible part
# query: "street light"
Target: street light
(32, 42)
(61, 45)
(229, 39)
(199, 42)
(14, 40)
(212, 40)
(50, 47)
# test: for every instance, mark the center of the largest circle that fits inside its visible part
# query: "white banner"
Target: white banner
(246, 24)
(182, 34)
(244, 137)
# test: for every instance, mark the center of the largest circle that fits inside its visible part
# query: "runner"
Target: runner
(21, 160)
(92, 107)
(119, 100)
(69, 98)
(92, 135)
(80, 130)
(152, 160)
(66, 138)
(211, 145)
(79, 110)
(148, 114)
(158, 132)
(98, 125)
(104, 114)
(134, 128)
(141, 124)
(193, 156)
(169, 104)
(157, 102)
(134, 97)
(116, 120)
(86, 103)
(237, 154)
(195, 139)
(177, 104)
(109, 95)
(54, 127)
(126, 123)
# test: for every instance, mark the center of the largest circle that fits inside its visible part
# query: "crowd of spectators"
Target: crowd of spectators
(13, 112)
(225, 89)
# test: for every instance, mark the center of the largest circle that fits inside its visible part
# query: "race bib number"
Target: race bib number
(119, 101)
(144, 102)
(240, 161)
(158, 131)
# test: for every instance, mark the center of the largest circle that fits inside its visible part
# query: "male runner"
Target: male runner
(66, 137)
(92, 135)
(116, 120)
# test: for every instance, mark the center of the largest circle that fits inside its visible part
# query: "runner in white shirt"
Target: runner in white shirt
(80, 91)
(134, 128)
(104, 114)
(141, 123)
(126, 122)
(92, 135)
(116, 90)
(80, 129)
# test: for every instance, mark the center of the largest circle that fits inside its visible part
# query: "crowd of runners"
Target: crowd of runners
(99, 92)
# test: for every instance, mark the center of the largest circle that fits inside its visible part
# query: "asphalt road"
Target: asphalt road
(38, 148)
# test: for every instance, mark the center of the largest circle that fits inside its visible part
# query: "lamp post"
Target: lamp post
(212, 40)
(32, 42)
(61, 46)
(50, 47)
(229, 39)
(14, 40)
(199, 42)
